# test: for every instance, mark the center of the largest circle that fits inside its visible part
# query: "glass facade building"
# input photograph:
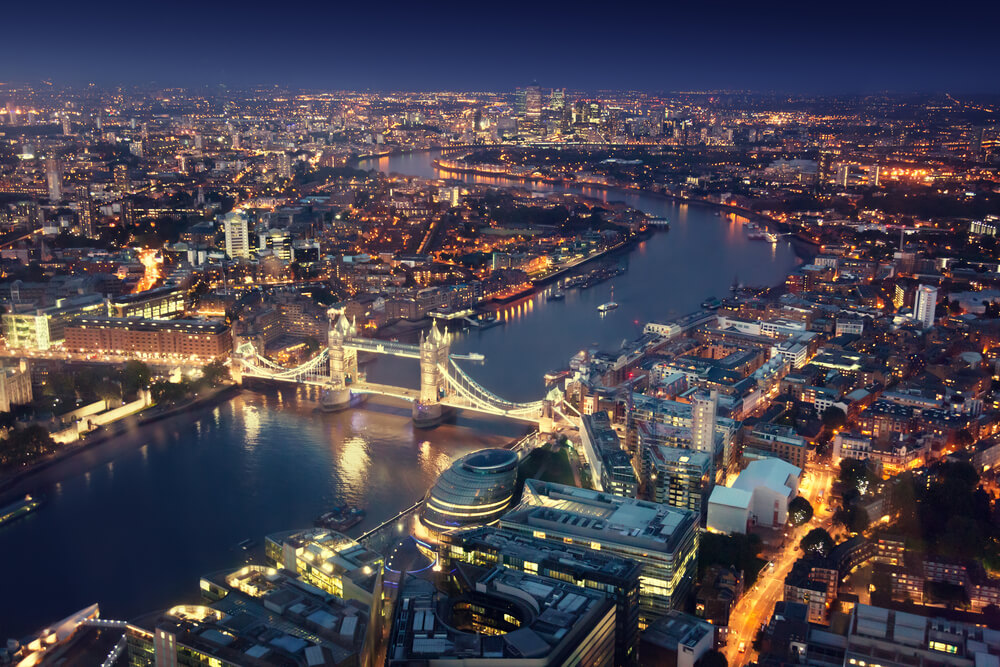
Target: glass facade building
(476, 490)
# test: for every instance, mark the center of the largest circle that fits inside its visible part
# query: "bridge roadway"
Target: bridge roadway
(377, 346)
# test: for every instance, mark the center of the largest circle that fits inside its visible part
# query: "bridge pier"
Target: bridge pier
(335, 400)
(428, 415)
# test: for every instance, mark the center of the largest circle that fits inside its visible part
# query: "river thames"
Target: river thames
(133, 523)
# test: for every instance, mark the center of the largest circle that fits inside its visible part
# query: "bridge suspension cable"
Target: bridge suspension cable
(482, 397)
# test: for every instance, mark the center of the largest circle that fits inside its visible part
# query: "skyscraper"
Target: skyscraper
(284, 165)
(557, 100)
(121, 178)
(924, 305)
(54, 176)
(85, 211)
(533, 101)
(237, 235)
(703, 423)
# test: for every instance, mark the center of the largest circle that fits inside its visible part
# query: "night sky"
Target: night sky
(806, 46)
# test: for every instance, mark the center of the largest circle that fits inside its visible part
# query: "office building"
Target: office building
(663, 539)
(612, 465)
(474, 491)
(159, 303)
(279, 242)
(28, 327)
(327, 560)
(888, 638)
(501, 617)
(253, 616)
(237, 235)
(676, 640)
(618, 577)
(924, 305)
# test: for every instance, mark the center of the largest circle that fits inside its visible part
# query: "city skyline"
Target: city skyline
(553, 373)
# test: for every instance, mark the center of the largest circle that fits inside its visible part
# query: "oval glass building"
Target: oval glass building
(476, 490)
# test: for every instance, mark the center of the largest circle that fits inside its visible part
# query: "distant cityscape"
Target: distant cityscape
(798, 471)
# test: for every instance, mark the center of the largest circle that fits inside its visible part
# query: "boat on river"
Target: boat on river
(340, 518)
(610, 305)
(21, 508)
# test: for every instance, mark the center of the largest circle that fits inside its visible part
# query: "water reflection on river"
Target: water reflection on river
(133, 523)
(668, 275)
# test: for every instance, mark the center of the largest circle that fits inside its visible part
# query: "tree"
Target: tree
(214, 373)
(855, 477)
(22, 445)
(712, 658)
(817, 541)
(737, 551)
(834, 417)
(135, 376)
(853, 518)
(800, 511)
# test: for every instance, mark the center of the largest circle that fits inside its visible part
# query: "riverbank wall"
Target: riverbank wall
(11, 483)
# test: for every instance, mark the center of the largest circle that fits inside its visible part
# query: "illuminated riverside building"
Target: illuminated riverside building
(501, 616)
(158, 303)
(476, 490)
(254, 616)
(326, 559)
(160, 339)
(41, 328)
(663, 539)
(489, 546)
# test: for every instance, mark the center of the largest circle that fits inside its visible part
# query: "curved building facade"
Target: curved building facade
(476, 490)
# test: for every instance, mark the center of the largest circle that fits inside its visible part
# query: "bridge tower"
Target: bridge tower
(343, 363)
(434, 350)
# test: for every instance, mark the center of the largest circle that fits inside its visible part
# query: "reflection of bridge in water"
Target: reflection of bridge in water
(444, 385)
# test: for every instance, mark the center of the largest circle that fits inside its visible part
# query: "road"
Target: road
(757, 604)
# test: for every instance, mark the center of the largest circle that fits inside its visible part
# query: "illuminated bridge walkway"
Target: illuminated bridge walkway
(443, 383)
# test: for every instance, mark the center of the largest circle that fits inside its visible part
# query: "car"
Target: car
(743, 647)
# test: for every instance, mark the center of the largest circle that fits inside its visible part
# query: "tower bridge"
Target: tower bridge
(444, 385)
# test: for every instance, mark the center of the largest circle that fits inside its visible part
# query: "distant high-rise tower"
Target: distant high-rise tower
(703, 423)
(284, 165)
(924, 305)
(85, 211)
(557, 100)
(533, 101)
(237, 235)
(67, 126)
(122, 182)
(54, 176)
